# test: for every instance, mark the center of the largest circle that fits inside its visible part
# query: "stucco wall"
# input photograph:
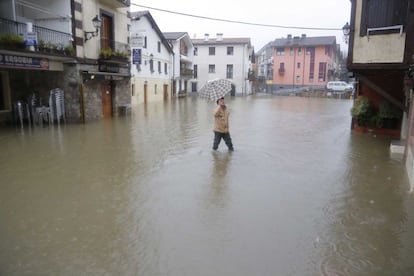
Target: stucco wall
(387, 48)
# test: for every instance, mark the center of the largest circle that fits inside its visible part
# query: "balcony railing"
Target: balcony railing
(58, 39)
(186, 72)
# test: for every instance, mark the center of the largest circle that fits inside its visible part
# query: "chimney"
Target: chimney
(303, 36)
(219, 36)
(206, 37)
(289, 37)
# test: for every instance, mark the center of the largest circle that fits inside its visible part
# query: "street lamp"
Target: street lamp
(346, 29)
(97, 23)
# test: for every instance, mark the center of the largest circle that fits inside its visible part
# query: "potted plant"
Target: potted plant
(106, 53)
(68, 50)
(363, 112)
(12, 41)
(388, 115)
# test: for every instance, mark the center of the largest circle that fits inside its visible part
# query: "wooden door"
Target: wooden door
(145, 93)
(165, 92)
(106, 100)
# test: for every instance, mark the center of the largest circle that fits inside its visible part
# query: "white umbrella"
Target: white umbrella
(215, 89)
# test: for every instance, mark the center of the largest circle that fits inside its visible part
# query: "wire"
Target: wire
(239, 22)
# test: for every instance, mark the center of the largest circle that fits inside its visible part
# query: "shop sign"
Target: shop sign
(23, 62)
(109, 67)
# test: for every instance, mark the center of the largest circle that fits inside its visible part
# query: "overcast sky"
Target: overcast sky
(324, 14)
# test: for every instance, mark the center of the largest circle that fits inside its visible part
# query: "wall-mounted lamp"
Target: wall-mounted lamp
(346, 29)
(151, 56)
(97, 23)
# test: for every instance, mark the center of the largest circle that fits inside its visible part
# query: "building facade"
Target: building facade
(55, 45)
(182, 61)
(300, 62)
(152, 62)
(225, 58)
(381, 58)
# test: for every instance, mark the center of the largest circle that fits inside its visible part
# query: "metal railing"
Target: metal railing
(43, 34)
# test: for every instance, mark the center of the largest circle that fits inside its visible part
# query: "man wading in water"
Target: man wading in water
(221, 125)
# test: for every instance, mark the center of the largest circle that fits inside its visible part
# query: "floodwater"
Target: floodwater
(145, 195)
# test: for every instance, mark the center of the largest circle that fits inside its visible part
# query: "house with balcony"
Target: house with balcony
(81, 48)
(381, 59)
(182, 61)
(302, 62)
(152, 56)
(264, 63)
(226, 58)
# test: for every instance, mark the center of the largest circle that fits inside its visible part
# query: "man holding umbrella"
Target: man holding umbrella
(221, 125)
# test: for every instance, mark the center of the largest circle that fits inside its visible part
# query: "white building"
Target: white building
(152, 55)
(182, 61)
(227, 58)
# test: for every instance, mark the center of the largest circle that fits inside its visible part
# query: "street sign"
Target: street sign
(136, 56)
(30, 39)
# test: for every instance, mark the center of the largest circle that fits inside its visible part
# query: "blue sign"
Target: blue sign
(136, 56)
(30, 39)
(22, 62)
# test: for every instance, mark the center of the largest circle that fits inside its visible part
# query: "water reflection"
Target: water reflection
(218, 177)
(367, 216)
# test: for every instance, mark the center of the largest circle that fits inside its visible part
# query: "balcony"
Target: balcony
(281, 71)
(117, 52)
(185, 72)
(116, 3)
(48, 41)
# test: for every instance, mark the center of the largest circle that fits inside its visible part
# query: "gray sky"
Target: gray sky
(330, 14)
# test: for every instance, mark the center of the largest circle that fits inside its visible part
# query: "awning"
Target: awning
(97, 75)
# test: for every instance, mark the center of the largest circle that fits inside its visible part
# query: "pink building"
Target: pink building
(304, 62)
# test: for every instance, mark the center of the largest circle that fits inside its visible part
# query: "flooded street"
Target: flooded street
(146, 195)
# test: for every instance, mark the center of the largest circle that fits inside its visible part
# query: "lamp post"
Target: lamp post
(97, 24)
(346, 29)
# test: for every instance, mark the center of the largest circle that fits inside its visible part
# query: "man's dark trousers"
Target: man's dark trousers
(226, 137)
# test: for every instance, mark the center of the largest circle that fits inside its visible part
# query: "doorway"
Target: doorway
(165, 92)
(145, 93)
(106, 99)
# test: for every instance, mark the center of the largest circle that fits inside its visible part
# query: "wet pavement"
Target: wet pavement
(145, 194)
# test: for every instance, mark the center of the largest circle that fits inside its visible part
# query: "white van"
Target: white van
(339, 86)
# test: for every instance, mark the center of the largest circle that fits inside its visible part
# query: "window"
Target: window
(195, 71)
(281, 68)
(159, 67)
(211, 68)
(310, 50)
(145, 42)
(211, 51)
(230, 50)
(328, 51)
(229, 71)
(166, 68)
(322, 71)
(298, 65)
(280, 51)
(292, 51)
(383, 13)
(193, 87)
(151, 62)
(159, 47)
(299, 51)
(195, 51)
